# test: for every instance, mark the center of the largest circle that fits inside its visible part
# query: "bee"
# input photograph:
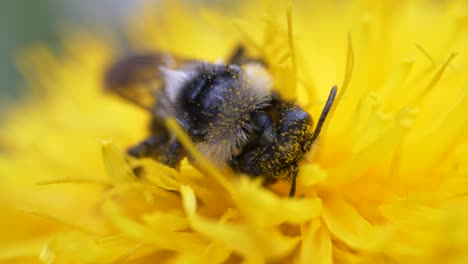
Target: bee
(230, 111)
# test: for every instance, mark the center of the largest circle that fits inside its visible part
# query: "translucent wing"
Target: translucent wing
(137, 77)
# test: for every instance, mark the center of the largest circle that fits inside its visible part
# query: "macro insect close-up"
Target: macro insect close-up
(229, 110)
(199, 132)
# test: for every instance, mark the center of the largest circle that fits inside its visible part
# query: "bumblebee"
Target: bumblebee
(230, 111)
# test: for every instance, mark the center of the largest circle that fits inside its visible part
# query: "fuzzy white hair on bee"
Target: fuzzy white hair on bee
(258, 78)
(173, 81)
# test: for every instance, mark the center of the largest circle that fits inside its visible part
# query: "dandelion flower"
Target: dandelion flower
(385, 183)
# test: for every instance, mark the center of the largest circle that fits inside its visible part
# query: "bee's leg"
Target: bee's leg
(151, 147)
(239, 57)
(173, 154)
(294, 172)
(155, 145)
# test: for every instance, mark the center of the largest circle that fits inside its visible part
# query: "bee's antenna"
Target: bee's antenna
(318, 128)
(323, 115)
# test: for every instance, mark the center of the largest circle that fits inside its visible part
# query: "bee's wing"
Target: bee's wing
(137, 77)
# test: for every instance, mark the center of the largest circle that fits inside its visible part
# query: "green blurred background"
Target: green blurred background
(25, 22)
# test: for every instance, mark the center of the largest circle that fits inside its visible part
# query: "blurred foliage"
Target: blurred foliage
(22, 22)
(26, 22)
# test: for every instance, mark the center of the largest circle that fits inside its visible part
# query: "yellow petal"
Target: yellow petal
(61, 249)
(261, 206)
(256, 244)
(354, 168)
(159, 174)
(316, 244)
(345, 223)
(166, 221)
(22, 251)
(311, 174)
(177, 241)
(214, 253)
(114, 162)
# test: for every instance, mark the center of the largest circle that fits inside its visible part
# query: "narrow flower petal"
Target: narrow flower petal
(214, 253)
(371, 153)
(346, 223)
(254, 243)
(311, 174)
(188, 242)
(117, 169)
(93, 250)
(159, 174)
(252, 199)
(167, 221)
(316, 245)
